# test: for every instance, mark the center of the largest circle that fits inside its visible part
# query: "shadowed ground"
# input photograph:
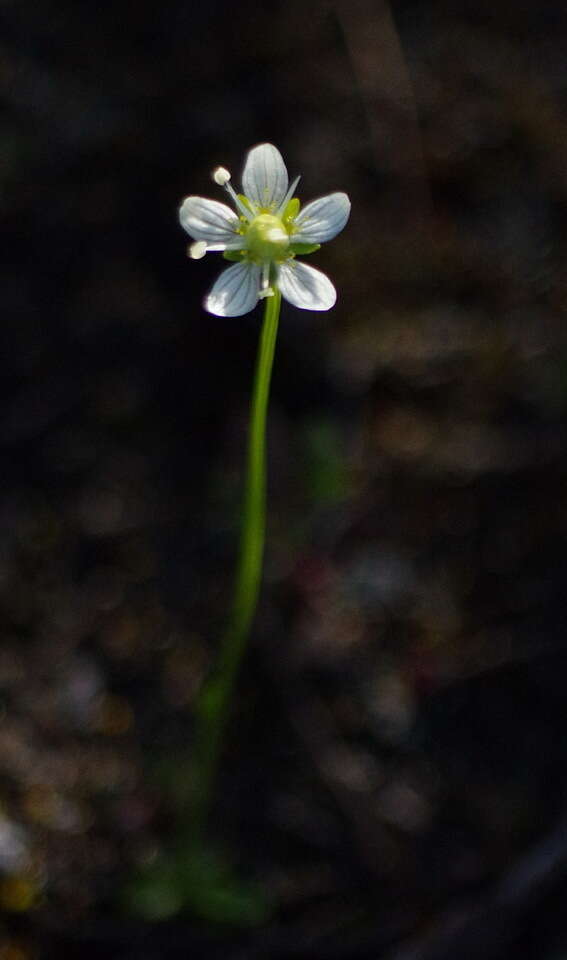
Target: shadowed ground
(394, 780)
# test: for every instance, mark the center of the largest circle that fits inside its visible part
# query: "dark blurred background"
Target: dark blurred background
(394, 784)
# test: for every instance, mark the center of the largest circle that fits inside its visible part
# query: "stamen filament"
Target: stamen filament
(265, 288)
(244, 210)
(288, 196)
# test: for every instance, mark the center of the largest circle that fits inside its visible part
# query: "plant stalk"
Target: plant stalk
(216, 699)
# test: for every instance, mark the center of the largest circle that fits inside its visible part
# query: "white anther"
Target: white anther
(221, 176)
(197, 250)
(268, 292)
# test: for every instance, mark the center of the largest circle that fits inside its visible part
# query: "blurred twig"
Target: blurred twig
(486, 928)
(379, 66)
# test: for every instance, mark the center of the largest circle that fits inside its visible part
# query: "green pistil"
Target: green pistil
(267, 238)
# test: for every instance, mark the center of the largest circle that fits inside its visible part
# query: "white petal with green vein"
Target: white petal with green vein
(211, 221)
(322, 219)
(306, 287)
(265, 179)
(236, 291)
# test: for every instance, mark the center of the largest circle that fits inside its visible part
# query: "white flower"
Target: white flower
(263, 236)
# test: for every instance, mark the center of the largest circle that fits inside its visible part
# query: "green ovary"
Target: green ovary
(267, 238)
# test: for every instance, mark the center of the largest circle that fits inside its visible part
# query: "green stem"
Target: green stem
(215, 701)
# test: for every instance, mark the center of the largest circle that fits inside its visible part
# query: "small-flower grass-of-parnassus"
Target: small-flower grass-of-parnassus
(264, 234)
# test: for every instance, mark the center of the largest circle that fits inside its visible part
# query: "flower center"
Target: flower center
(267, 238)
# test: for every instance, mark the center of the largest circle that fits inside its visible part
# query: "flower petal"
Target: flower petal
(209, 220)
(322, 219)
(265, 179)
(236, 290)
(305, 286)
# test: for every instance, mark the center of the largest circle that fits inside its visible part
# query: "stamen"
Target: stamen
(265, 290)
(221, 176)
(244, 210)
(197, 250)
(288, 196)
